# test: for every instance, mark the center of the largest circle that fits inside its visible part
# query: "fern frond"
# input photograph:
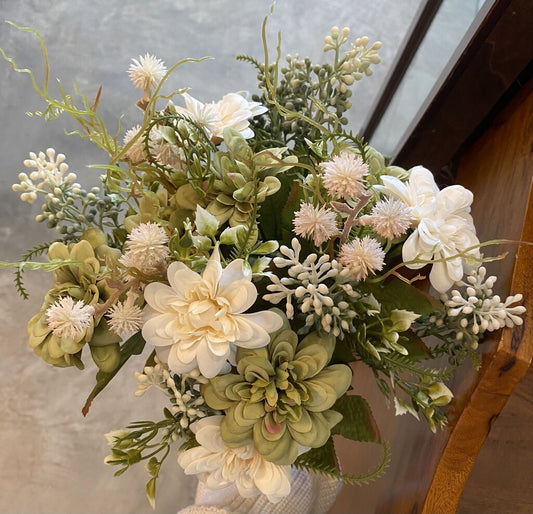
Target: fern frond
(19, 284)
(33, 252)
(251, 60)
(403, 363)
(310, 462)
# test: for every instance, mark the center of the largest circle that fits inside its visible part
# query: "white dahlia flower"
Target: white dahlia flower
(221, 466)
(198, 319)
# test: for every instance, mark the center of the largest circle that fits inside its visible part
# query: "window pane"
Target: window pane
(450, 25)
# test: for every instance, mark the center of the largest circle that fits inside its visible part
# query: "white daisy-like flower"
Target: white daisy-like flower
(69, 319)
(146, 72)
(146, 248)
(220, 466)
(362, 256)
(390, 218)
(198, 320)
(136, 152)
(319, 224)
(344, 175)
(125, 318)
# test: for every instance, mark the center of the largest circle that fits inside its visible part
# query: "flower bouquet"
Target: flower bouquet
(251, 249)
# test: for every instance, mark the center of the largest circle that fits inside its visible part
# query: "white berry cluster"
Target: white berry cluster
(326, 306)
(479, 308)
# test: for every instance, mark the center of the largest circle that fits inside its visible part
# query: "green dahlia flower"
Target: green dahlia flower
(281, 396)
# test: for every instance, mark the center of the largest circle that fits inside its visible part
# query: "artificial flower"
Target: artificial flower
(125, 318)
(344, 174)
(146, 72)
(235, 111)
(390, 218)
(200, 319)
(318, 224)
(146, 248)
(71, 281)
(232, 111)
(220, 465)
(419, 192)
(281, 396)
(202, 114)
(362, 256)
(50, 172)
(69, 319)
(444, 229)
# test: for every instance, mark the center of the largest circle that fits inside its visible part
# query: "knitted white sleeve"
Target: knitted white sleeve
(311, 493)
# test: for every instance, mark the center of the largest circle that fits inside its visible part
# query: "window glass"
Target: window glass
(454, 19)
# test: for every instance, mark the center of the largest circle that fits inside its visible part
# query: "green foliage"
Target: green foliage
(133, 346)
(275, 217)
(324, 460)
(398, 294)
(35, 251)
(358, 423)
(138, 442)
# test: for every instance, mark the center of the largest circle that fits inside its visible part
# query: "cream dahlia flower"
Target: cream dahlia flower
(198, 319)
(444, 227)
(221, 466)
(203, 114)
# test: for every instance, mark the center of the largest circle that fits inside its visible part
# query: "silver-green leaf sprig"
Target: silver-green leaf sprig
(281, 395)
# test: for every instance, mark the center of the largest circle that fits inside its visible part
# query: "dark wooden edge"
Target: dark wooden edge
(494, 59)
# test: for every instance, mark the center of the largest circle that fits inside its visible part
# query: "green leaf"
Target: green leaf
(265, 248)
(397, 294)
(277, 211)
(120, 471)
(415, 346)
(324, 460)
(357, 423)
(232, 235)
(320, 459)
(150, 491)
(133, 346)
(206, 223)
